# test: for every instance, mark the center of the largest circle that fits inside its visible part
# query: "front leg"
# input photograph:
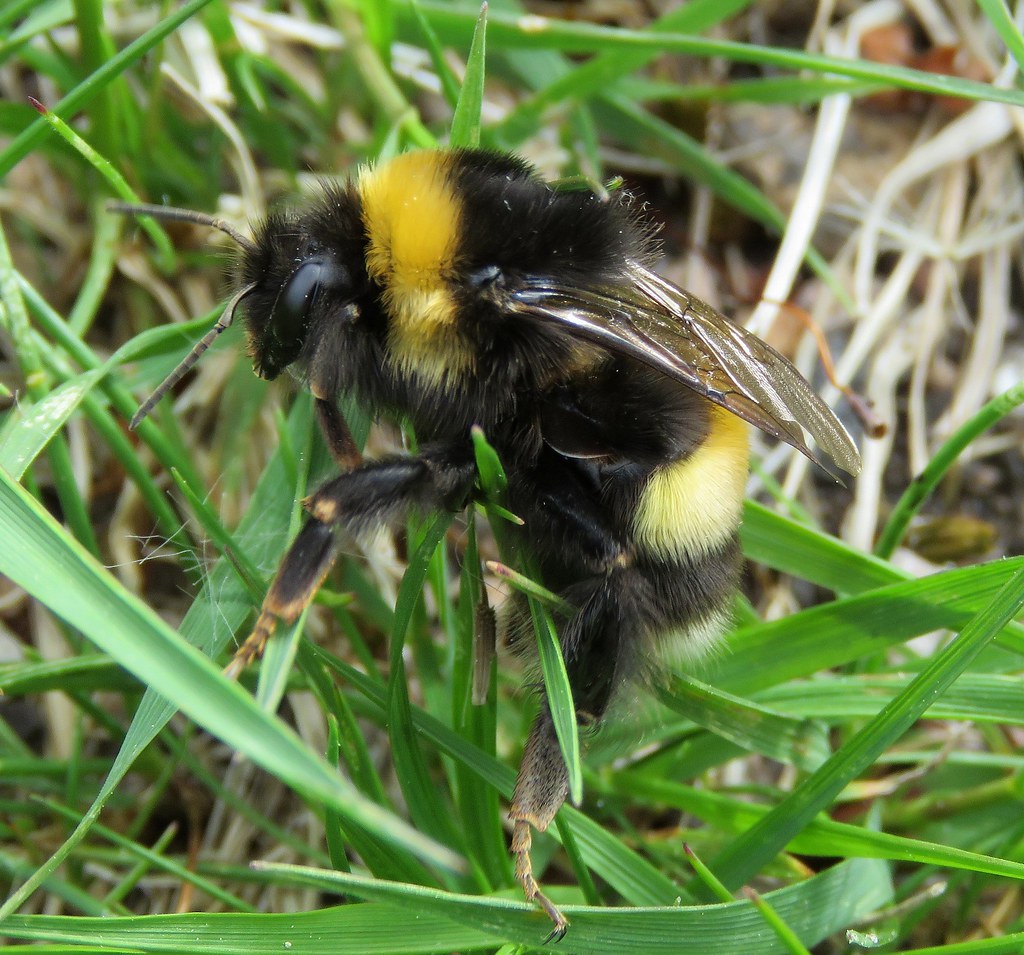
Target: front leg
(376, 494)
(337, 435)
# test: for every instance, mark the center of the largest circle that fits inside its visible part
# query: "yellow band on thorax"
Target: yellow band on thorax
(412, 218)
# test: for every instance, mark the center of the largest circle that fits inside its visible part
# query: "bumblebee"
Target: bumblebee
(454, 289)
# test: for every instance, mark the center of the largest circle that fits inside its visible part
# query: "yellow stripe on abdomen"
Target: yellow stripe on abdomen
(692, 506)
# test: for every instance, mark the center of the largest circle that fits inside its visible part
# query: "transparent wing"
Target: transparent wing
(668, 329)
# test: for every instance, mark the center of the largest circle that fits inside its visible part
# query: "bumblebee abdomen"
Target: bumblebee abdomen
(691, 507)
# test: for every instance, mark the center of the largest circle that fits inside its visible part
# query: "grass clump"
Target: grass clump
(845, 754)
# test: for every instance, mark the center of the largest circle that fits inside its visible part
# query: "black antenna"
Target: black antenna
(181, 215)
(227, 316)
(223, 323)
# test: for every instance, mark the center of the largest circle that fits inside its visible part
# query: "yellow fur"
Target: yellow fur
(412, 219)
(693, 505)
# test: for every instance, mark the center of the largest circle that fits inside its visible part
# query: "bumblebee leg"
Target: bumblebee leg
(485, 642)
(373, 495)
(336, 433)
(541, 788)
(297, 580)
(592, 570)
(596, 645)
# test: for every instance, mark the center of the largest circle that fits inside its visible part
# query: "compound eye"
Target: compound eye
(290, 317)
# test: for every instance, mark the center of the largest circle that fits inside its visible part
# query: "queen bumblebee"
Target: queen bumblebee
(456, 288)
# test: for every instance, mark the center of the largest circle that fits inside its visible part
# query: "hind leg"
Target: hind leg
(582, 556)
(598, 645)
(628, 604)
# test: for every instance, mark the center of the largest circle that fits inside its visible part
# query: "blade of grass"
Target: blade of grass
(744, 858)
(157, 861)
(211, 621)
(556, 678)
(999, 16)
(785, 934)
(708, 877)
(773, 91)
(356, 929)
(1008, 945)
(478, 801)
(118, 184)
(96, 50)
(530, 587)
(30, 428)
(102, 260)
(627, 872)
(559, 696)
(756, 728)
(14, 318)
(39, 556)
(822, 836)
(383, 860)
(601, 72)
(14, 11)
(922, 486)
(421, 794)
(511, 31)
(975, 697)
(380, 84)
(794, 548)
(813, 908)
(465, 126)
(29, 138)
(771, 653)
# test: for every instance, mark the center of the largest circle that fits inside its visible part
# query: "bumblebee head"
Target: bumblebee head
(301, 270)
(297, 270)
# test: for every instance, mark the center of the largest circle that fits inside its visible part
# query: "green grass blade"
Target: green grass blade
(157, 862)
(118, 184)
(999, 16)
(465, 128)
(771, 653)
(28, 430)
(729, 929)
(449, 83)
(756, 728)
(794, 548)
(39, 556)
(744, 858)
(413, 926)
(29, 138)
(977, 697)
(511, 31)
(356, 929)
(96, 597)
(946, 457)
(627, 872)
(599, 73)
(422, 795)
(821, 837)
(559, 696)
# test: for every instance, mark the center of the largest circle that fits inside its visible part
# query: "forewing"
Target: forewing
(666, 328)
